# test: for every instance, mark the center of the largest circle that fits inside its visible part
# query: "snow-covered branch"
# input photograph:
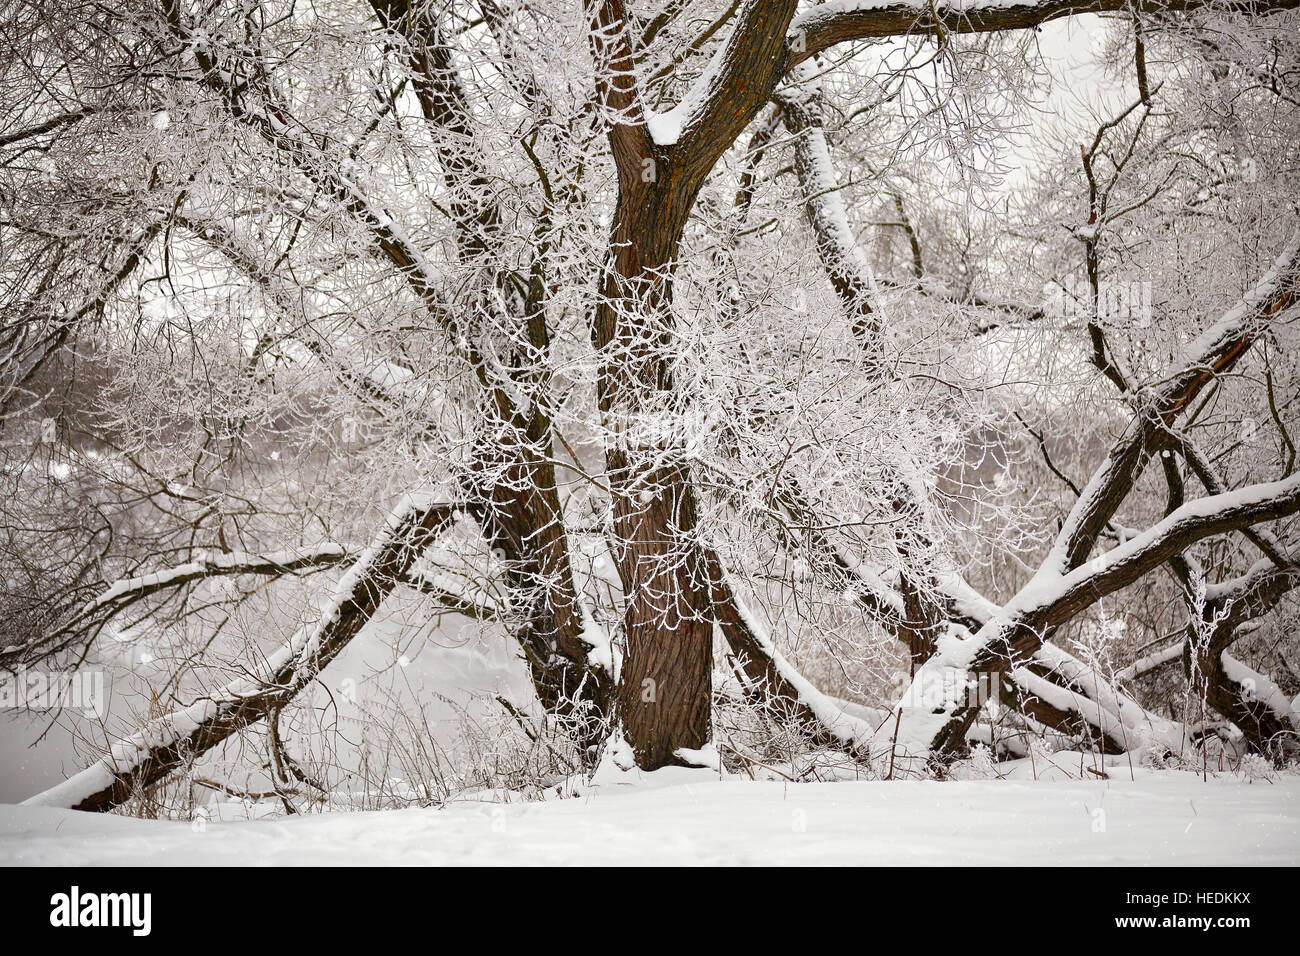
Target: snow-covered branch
(824, 25)
(845, 264)
(1214, 352)
(771, 683)
(182, 735)
(732, 89)
(1050, 599)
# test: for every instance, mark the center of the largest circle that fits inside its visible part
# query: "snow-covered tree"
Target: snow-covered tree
(708, 352)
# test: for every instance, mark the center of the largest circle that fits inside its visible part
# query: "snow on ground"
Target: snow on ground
(693, 817)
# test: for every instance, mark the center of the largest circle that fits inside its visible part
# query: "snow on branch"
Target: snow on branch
(1064, 709)
(1193, 521)
(290, 561)
(1050, 599)
(1213, 352)
(825, 25)
(1148, 663)
(1270, 710)
(732, 89)
(846, 266)
(770, 680)
(126, 592)
(178, 737)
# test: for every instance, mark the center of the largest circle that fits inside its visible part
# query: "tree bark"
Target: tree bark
(665, 690)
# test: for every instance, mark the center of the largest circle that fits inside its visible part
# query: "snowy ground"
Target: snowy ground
(692, 817)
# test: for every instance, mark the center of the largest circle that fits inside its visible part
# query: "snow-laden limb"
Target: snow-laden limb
(1061, 692)
(1136, 727)
(1056, 597)
(1226, 612)
(1150, 662)
(1042, 689)
(823, 25)
(1050, 599)
(964, 601)
(1203, 467)
(710, 116)
(172, 740)
(1258, 589)
(868, 586)
(450, 594)
(1046, 691)
(733, 87)
(83, 622)
(666, 127)
(1257, 706)
(1060, 708)
(124, 593)
(1213, 352)
(1056, 689)
(1262, 689)
(770, 681)
(287, 561)
(846, 265)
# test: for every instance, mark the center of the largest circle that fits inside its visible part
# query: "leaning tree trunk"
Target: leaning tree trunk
(173, 740)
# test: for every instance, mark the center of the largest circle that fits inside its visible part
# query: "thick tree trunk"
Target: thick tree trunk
(665, 689)
(665, 694)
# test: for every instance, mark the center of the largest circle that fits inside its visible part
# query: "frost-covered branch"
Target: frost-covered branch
(1062, 588)
(845, 264)
(1214, 352)
(259, 108)
(629, 136)
(179, 737)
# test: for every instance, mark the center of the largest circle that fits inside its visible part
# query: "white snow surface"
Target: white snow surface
(692, 816)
